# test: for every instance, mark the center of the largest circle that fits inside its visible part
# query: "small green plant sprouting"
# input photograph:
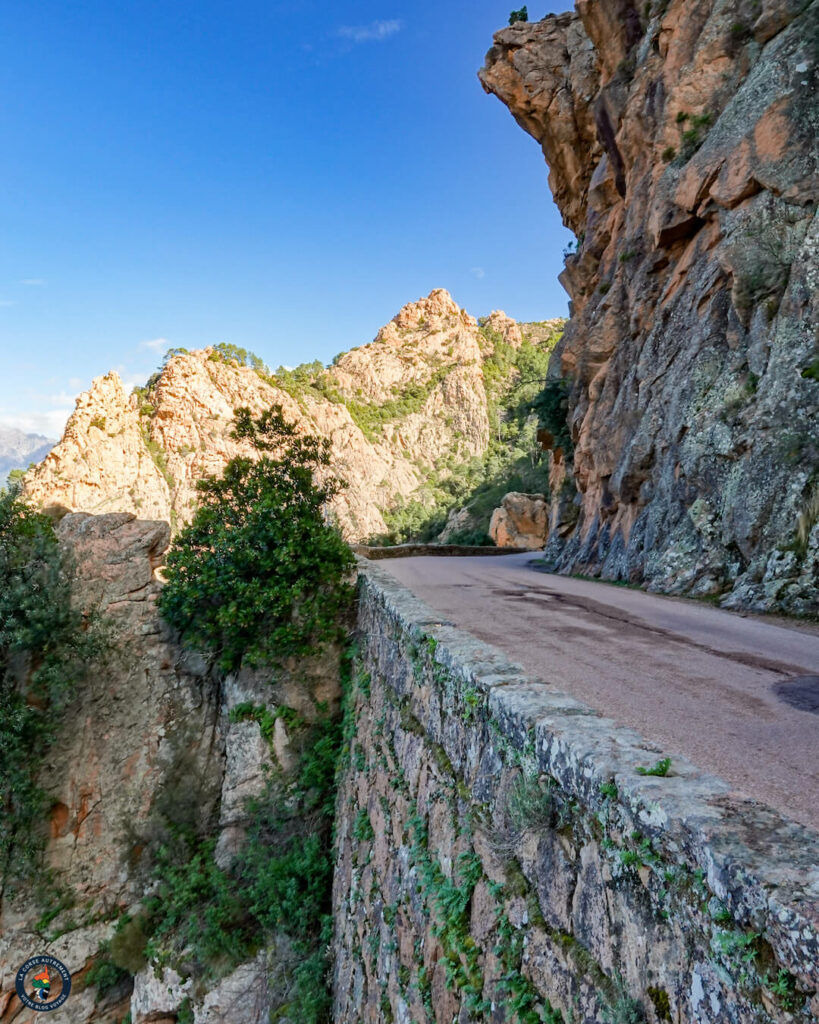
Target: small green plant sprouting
(661, 1002)
(184, 1015)
(527, 807)
(630, 858)
(620, 1008)
(104, 974)
(660, 768)
(668, 154)
(783, 986)
(694, 135)
(98, 422)
(605, 288)
(473, 700)
(609, 790)
(362, 829)
(266, 717)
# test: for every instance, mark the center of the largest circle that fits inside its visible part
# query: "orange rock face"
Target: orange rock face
(522, 521)
(681, 143)
(391, 410)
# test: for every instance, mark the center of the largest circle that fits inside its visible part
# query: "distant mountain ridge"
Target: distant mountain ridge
(19, 449)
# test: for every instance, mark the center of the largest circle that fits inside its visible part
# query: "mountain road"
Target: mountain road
(736, 695)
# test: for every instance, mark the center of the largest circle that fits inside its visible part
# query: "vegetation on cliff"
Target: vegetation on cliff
(513, 461)
(47, 646)
(259, 575)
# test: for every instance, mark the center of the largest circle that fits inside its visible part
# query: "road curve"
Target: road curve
(693, 679)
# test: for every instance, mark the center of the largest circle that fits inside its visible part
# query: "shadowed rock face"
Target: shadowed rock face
(144, 724)
(680, 138)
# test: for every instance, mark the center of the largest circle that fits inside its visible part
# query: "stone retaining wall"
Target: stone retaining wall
(500, 858)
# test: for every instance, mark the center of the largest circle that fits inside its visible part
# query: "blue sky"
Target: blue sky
(282, 176)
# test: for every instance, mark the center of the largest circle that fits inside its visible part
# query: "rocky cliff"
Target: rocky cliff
(681, 142)
(156, 746)
(391, 409)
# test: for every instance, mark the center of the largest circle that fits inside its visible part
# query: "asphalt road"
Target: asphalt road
(691, 678)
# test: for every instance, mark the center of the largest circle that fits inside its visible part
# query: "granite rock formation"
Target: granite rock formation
(147, 745)
(522, 521)
(391, 410)
(681, 142)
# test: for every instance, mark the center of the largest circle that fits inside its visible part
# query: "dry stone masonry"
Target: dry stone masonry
(499, 854)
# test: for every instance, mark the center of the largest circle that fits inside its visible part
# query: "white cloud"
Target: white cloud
(131, 380)
(64, 398)
(33, 282)
(51, 423)
(156, 344)
(376, 31)
(478, 272)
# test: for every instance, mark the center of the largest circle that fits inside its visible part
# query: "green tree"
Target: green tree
(521, 15)
(260, 574)
(46, 646)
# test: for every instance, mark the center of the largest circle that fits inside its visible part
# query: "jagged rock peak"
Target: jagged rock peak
(391, 409)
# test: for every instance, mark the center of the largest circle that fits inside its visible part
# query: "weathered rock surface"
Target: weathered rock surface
(522, 521)
(148, 744)
(144, 455)
(145, 723)
(681, 142)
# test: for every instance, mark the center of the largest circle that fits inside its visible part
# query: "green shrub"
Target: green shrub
(552, 408)
(372, 417)
(127, 945)
(362, 829)
(808, 517)
(521, 15)
(185, 1015)
(659, 769)
(513, 461)
(47, 646)
(104, 974)
(159, 457)
(212, 919)
(224, 352)
(196, 908)
(259, 574)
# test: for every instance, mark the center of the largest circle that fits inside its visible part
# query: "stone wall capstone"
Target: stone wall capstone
(500, 858)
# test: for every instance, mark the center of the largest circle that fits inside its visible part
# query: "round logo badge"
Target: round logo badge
(43, 983)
